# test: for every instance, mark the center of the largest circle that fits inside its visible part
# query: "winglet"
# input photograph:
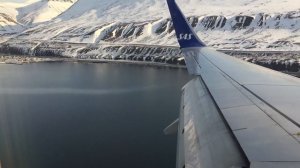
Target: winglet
(184, 32)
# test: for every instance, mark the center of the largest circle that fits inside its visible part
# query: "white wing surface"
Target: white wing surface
(234, 113)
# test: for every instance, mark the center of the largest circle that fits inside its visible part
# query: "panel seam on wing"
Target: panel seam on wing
(231, 80)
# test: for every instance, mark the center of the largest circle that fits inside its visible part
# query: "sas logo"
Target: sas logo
(185, 36)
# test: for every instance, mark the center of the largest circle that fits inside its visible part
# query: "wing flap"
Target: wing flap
(207, 138)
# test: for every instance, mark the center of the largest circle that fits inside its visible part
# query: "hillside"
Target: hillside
(42, 11)
(8, 18)
(223, 24)
(16, 17)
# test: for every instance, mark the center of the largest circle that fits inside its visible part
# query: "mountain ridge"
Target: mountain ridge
(246, 24)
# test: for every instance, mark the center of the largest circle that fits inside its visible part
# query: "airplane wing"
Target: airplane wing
(234, 114)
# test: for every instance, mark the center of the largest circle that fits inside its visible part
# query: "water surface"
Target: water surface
(67, 115)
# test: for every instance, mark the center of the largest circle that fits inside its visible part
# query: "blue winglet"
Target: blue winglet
(184, 32)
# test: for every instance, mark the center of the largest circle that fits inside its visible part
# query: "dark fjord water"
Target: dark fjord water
(67, 115)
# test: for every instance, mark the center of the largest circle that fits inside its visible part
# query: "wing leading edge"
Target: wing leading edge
(256, 106)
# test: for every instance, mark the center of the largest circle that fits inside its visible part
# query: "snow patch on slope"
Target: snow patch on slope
(8, 21)
(42, 11)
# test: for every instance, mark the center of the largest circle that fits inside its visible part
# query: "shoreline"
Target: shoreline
(20, 60)
(147, 63)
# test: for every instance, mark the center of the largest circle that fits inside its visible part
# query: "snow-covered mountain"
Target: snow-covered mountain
(223, 24)
(8, 18)
(42, 11)
(17, 17)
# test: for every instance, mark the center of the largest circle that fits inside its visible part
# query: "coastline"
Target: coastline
(20, 60)
(147, 63)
